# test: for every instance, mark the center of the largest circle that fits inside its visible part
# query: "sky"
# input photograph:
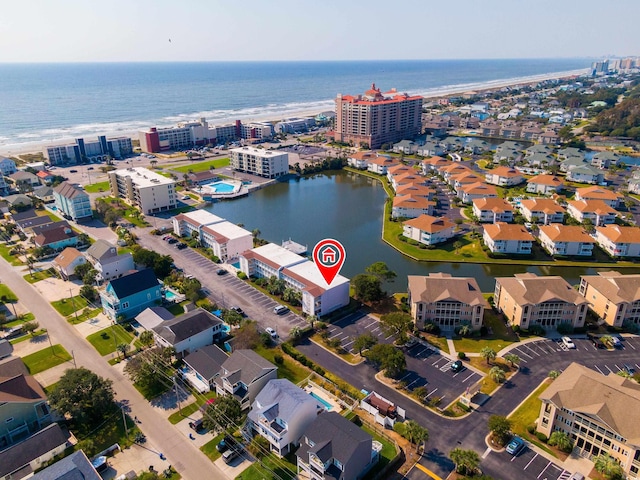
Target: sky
(238, 30)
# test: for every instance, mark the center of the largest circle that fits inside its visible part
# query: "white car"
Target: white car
(568, 342)
(271, 332)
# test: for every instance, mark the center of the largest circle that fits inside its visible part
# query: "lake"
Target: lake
(348, 207)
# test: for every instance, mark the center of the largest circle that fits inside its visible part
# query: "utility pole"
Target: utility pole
(72, 356)
(175, 387)
(73, 304)
(124, 421)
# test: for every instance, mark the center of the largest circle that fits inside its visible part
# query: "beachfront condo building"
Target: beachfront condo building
(376, 118)
(144, 189)
(82, 151)
(317, 296)
(257, 161)
(72, 202)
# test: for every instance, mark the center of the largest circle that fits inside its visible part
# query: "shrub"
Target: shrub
(565, 329)
(483, 331)
(531, 429)
(278, 359)
(319, 370)
(432, 328)
(462, 355)
(242, 275)
(515, 328)
(542, 437)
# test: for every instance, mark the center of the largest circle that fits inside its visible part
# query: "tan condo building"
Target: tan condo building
(600, 413)
(614, 297)
(376, 118)
(142, 188)
(528, 300)
(446, 301)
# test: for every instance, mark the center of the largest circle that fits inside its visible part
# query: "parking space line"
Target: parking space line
(487, 452)
(374, 322)
(544, 470)
(406, 376)
(377, 328)
(347, 344)
(631, 345)
(534, 457)
(531, 350)
(472, 374)
(387, 338)
(522, 353)
(431, 392)
(596, 366)
(610, 371)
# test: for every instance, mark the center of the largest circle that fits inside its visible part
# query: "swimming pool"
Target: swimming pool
(169, 295)
(221, 187)
(326, 404)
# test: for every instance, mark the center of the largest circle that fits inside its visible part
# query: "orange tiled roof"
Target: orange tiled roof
(503, 171)
(546, 179)
(595, 206)
(507, 231)
(557, 232)
(597, 193)
(620, 234)
(427, 223)
(545, 205)
(494, 204)
(412, 201)
(479, 188)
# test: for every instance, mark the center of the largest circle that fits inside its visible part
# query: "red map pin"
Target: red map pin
(329, 256)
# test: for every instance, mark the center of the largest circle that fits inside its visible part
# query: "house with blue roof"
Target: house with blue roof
(127, 296)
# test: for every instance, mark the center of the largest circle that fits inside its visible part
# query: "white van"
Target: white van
(280, 309)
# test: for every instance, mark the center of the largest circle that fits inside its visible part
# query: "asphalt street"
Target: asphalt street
(161, 435)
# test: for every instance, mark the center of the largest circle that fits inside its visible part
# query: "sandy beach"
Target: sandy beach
(33, 147)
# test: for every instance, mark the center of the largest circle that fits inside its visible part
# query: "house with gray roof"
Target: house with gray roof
(25, 181)
(108, 263)
(189, 332)
(243, 375)
(570, 162)
(585, 174)
(538, 149)
(281, 413)
(19, 201)
(333, 448)
(44, 193)
(407, 147)
(7, 166)
(204, 366)
(72, 201)
(74, 467)
(570, 152)
(151, 317)
(6, 349)
(605, 159)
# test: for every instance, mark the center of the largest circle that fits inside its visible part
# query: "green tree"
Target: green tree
(467, 461)
(381, 271)
(146, 338)
(123, 348)
(488, 353)
(388, 358)
(225, 414)
(259, 446)
(553, 374)
(512, 358)
(367, 288)
(88, 292)
(398, 324)
(89, 278)
(497, 374)
(84, 396)
(232, 317)
(561, 440)
(608, 466)
(416, 433)
(30, 327)
(81, 270)
(147, 372)
(500, 427)
(364, 342)
(457, 245)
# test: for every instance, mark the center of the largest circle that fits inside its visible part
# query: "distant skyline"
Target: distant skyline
(293, 30)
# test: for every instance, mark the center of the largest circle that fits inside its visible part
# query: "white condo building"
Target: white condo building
(265, 163)
(144, 189)
(318, 298)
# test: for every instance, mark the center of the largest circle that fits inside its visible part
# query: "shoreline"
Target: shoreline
(14, 149)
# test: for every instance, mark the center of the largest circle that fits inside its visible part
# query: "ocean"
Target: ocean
(51, 102)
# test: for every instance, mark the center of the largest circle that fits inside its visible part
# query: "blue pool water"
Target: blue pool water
(221, 187)
(326, 404)
(169, 295)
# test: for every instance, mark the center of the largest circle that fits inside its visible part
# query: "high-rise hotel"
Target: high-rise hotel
(376, 118)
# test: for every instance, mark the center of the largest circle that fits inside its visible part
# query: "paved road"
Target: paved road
(161, 435)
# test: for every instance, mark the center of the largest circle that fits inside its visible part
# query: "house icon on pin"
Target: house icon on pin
(329, 255)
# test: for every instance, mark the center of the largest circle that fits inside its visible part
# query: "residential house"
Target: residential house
(571, 162)
(72, 202)
(539, 160)
(492, 210)
(610, 197)
(531, 132)
(407, 179)
(189, 332)
(507, 238)
(504, 177)
(27, 225)
(549, 137)
(405, 146)
(57, 238)
(468, 193)
(6, 349)
(430, 149)
(545, 184)
(151, 317)
(22, 459)
(19, 202)
(453, 169)
(202, 178)
(334, 448)
(475, 146)
(634, 185)
(108, 263)
(7, 166)
(542, 210)
(129, 295)
(416, 190)
(558, 239)
(490, 128)
(411, 206)
(67, 261)
(452, 144)
(604, 160)
(281, 413)
(203, 367)
(44, 193)
(4, 186)
(243, 375)
(619, 241)
(511, 129)
(429, 230)
(596, 211)
(446, 301)
(613, 297)
(24, 181)
(433, 165)
(584, 173)
(74, 467)
(601, 414)
(399, 169)
(360, 160)
(45, 177)
(528, 300)
(381, 164)
(570, 152)
(462, 179)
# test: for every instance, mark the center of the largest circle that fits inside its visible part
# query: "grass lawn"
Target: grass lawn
(502, 336)
(4, 253)
(177, 308)
(66, 306)
(436, 341)
(97, 187)
(387, 454)
(488, 385)
(290, 369)
(112, 431)
(52, 216)
(6, 292)
(86, 314)
(528, 412)
(200, 166)
(191, 408)
(44, 359)
(274, 467)
(27, 317)
(37, 276)
(106, 340)
(209, 448)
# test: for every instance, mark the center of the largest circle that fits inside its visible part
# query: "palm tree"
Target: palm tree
(123, 348)
(608, 466)
(416, 433)
(457, 245)
(497, 374)
(553, 374)
(488, 353)
(561, 440)
(153, 163)
(512, 358)
(467, 461)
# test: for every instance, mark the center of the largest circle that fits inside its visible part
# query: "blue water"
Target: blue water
(326, 404)
(169, 295)
(222, 187)
(46, 102)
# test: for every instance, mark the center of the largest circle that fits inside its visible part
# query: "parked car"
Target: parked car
(238, 310)
(615, 342)
(229, 455)
(221, 271)
(515, 446)
(181, 246)
(172, 240)
(457, 366)
(629, 369)
(223, 445)
(280, 309)
(197, 425)
(595, 340)
(185, 197)
(271, 332)
(73, 171)
(568, 342)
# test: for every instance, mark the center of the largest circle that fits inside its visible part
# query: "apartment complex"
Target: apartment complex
(318, 297)
(376, 118)
(72, 202)
(600, 413)
(257, 161)
(528, 300)
(614, 297)
(84, 151)
(446, 301)
(141, 187)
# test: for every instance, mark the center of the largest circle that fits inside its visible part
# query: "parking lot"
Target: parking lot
(352, 326)
(534, 465)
